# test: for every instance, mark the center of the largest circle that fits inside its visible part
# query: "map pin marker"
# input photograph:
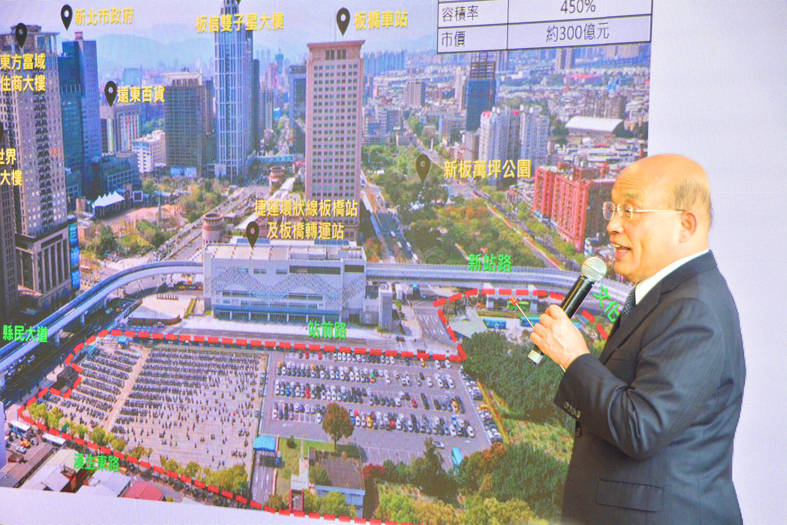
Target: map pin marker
(422, 165)
(110, 91)
(343, 19)
(252, 232)
(21, 34)
(65, 15)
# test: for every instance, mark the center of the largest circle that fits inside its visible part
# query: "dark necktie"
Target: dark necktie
(629, 304)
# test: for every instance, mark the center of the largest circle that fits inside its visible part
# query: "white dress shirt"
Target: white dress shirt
(644, 286)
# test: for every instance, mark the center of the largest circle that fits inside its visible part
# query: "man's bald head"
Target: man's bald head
(673, 196)
(683, 183)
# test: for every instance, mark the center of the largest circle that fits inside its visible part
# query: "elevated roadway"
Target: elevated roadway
(441, 275)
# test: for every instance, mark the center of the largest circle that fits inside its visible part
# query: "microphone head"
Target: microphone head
(593, 269)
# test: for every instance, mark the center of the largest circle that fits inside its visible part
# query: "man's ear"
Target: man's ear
(688, 225)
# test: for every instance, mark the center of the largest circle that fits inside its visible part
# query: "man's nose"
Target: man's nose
(615, 224)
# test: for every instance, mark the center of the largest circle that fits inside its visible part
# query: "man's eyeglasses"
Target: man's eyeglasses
(627, 211)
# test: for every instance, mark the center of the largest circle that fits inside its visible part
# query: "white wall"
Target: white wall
(719, 75)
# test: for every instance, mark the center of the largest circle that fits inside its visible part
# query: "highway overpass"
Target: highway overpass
(441, 275)
(77, 307)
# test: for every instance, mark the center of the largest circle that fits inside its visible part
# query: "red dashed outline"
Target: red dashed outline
(282, 345)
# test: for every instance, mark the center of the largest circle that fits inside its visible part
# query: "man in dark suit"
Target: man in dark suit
(656, 413)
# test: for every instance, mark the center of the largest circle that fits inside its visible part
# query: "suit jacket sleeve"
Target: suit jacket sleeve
(677, 371)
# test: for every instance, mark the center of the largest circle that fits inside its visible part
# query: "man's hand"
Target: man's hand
(557, 337)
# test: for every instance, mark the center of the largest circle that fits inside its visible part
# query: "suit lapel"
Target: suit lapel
(632, 320)
(623, 328)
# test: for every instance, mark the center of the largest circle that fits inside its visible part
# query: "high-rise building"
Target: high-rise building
(32, 119)
(151, 150)
(498, 140)
(334, 119)
(186, 123)
(543, 190)
(481, 89)
(379, 62)
(451, 127)
(256, 113)
(233, 72)
(498, 136)
(564, 59)
(119, 127)
(296, 76)
(79, 101)
(113, 173)
(460, 88)
(414, 93)
(9, 294)
(266, 108)
(573, 202)
(534, 136)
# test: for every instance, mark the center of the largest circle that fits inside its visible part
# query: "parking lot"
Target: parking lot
(395, 404)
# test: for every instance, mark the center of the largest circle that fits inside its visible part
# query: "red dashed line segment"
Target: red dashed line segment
(272, 344)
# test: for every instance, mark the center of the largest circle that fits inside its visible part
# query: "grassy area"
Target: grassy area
(497, 313)
(289, 465)
(290, 460)
(551, 438)
(316, 445)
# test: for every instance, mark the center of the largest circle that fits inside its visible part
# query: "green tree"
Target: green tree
(434, 512)
(486, 511)
(319, 476)
(38, 411)
(118, 443)
(276, 502)
(173, 465)
(149, 186)
(311, 503)
(396, 507)
(99, 436)
(335, 503)
(53, 417)
(233, 479)
(106, 240)
(159, 237)
(516, 472)
(192, 470)
(415, 124)
(499, 365)
(337, 423)
(427, 472)
(80, 430)
(137, 452)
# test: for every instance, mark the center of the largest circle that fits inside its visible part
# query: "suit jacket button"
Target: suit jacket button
(565, 405)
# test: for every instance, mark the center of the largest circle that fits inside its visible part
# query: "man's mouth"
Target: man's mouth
(620, 250)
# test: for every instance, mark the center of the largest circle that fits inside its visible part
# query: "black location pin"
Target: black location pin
(20, 31)
(110, 91)
(343, 19)
(66, 13)
(252, 232)
(422, 165)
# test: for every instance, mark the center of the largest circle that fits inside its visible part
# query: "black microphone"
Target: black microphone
(593, 269)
